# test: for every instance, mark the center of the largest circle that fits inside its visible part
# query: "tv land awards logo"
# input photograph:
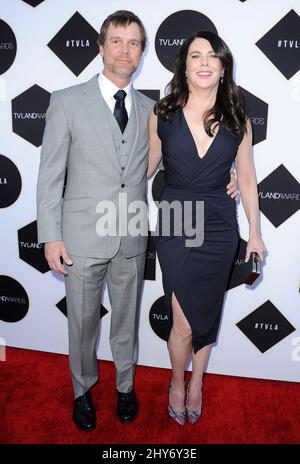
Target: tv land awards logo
(29, 113)
(281, 44)
(10, 182)
(159, 319)
(279, 196)
(30, 250)
(265, 327)
(62, 306)
(14, 302)
(33, 3)
(8, 46)
(257, 110)
(174, 30)
(75, 44)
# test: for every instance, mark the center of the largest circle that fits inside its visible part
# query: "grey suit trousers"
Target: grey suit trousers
(84, 285)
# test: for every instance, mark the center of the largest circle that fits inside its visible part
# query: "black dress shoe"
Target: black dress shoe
(127, 408)
(84, 414)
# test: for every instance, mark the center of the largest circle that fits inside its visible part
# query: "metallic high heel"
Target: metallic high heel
(177, 416)
(192, 415)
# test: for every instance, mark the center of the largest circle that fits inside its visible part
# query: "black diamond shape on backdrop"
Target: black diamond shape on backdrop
(62, 306)
(279, 195)
(33, 3)
(28, 114)
(75, 44)
(282, 44)
(257, 110)
(265, 326)
(30, 250)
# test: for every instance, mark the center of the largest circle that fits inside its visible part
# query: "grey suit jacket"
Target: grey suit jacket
(78, 138)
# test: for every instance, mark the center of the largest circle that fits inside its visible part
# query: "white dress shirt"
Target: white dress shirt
(108, 90)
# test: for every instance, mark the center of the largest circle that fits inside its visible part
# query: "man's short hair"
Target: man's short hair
(122, 18)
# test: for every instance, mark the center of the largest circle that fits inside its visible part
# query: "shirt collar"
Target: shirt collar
(108, 88)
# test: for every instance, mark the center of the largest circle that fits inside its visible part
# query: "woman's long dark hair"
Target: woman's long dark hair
(229, 107)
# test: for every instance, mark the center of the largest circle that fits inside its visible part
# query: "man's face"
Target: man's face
(121, 51)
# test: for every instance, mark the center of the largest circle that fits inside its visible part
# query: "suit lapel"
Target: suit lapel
(138, 107)
(96, 108)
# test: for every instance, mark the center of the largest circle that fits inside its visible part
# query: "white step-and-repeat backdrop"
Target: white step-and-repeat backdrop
(50, 44)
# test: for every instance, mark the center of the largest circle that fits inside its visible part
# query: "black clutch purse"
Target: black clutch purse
(252, 268)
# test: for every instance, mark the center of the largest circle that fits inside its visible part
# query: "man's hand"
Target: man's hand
(232, 187)
(53, 252)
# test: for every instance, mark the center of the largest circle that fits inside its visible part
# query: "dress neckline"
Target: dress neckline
(200, 156)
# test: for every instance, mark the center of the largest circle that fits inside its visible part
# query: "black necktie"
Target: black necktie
(120, 112)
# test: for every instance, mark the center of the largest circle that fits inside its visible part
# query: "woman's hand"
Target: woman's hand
(255, 244)
(232, 187)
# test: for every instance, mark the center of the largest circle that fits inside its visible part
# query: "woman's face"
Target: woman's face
(203, 67)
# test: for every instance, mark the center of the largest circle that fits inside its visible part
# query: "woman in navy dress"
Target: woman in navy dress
(199, 130)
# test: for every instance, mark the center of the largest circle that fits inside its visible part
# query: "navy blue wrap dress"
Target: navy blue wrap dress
(197, 275)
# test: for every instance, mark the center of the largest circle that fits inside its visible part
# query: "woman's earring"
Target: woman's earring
(222, 77)
(186, 74)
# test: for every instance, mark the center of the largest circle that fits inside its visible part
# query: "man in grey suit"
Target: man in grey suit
(97, 132)
(106, 160)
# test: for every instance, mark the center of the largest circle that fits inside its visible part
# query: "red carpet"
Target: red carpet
(36, 403)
